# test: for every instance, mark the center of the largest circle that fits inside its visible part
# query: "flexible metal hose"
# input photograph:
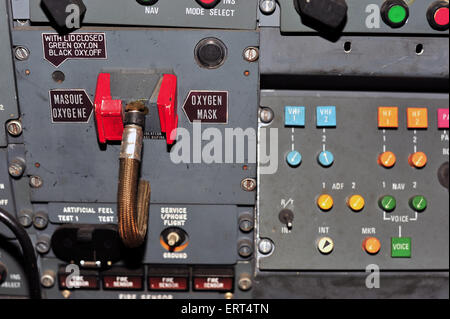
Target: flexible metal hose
(133, 196)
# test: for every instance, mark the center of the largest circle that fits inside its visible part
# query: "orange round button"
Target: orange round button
(387, 159)
(371, 245)
(325, 202)
(418, 160)
(356, 203)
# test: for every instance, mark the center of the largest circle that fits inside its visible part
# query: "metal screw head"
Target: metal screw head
(245, 282)
(40, 220)
(266, 114)
(36, 181)
(248, 184)
(229, 295)
(66, 293)
(21, 53)
(245, 248)
(246, 223)
(43, 244)
(48, 279)
(14, 127)
(25, 217)
(16, 168)
(265, 246)
(267, 6)
(251, 54)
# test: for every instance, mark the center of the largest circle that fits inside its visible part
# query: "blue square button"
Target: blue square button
(326, 116)
(294, 115)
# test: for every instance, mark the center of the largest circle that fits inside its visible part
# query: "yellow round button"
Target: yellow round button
(325, 202)
(418, 160)
(387, 159)
(356, 203)
(371, 245)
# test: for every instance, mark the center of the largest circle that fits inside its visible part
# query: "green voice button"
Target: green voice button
(401, 247)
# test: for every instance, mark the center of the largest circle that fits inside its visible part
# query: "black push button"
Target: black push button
(210, 53)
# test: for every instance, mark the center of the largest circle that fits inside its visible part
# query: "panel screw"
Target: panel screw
(245, 282)
(14, 127)
(21, 53)
(43, 244)
(248, 184)
(246, 223)
(36, 181)
(267, 6)
(229, 295)
(266, 114)
(25, 217)
(251, 54)
(48, 279)
(40, 220)
(66, 293)
(245, 248)
(17, 167)
(265, 246)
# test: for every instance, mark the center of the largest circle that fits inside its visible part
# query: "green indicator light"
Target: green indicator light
(397, 14)
(387, 203)
(401, 247)
(418, 203)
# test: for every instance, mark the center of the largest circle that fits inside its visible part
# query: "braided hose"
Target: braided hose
(133, 196)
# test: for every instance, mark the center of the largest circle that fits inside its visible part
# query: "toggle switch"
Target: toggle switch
(286, 217)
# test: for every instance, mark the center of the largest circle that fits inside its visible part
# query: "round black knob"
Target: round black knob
(147, 2)
(443, 175)
(210, 53)
(395, 13)
(331, 13)
(208, 4)
(438, 15)
(3, 273)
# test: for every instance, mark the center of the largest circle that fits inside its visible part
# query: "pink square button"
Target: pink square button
(443, 118)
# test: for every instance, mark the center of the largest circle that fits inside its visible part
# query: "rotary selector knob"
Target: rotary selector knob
(208, 4)
(331, 13)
